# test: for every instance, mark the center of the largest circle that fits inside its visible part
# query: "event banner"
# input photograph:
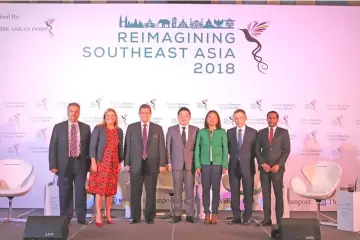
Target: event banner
(300, 61)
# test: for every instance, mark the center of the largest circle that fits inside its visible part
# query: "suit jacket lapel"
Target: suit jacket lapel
(235, 137)
(277, 133)
(149, 134)
(246, 136)
(65, 130)
(267, 136)
(178, 135)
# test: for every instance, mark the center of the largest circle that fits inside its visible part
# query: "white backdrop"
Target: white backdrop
(311, 79)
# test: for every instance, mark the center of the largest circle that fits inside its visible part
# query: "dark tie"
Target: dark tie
(240, 138)
(271, 136)
(144, 138)
(183, 136)
(73, 141)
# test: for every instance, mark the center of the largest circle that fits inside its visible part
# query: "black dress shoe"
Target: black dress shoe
(175, 219)
(266, 223)
(83, 222)
(149, 221)
(133, 221)
(190, 219)
(247, 221)
(235, 221)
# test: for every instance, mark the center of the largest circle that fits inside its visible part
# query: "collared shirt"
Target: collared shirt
(147, 128)
(77, 136)
(274, 128)
(242, 132)
(186, 130)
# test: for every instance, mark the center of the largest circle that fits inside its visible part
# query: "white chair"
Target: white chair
(324, 177)
(16, 179)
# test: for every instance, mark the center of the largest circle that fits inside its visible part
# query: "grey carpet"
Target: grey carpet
(163, 230)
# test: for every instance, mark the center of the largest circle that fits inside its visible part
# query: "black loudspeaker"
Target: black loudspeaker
(46, 228)
(297, 229)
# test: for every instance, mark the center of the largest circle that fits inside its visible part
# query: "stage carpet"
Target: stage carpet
(163, 230)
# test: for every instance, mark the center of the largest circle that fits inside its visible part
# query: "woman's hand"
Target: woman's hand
(93, 167)
(119, 168)
(198, 171)
(224, 171)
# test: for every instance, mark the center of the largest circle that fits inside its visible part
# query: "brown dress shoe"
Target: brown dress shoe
(207, 218)
(214, 219)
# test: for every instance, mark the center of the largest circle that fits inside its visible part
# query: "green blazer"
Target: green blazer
(219, 148)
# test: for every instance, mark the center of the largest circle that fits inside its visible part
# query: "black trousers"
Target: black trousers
(137, 180)
(73, 176)
(236, 176)
(277, 181)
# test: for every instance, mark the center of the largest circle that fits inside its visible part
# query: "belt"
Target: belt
(78, 157)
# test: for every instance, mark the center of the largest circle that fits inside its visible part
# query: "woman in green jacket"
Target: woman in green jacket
(211, 161)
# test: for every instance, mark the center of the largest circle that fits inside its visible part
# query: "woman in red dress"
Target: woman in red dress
(106, 153)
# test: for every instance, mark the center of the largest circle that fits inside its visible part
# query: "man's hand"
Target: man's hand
(54, 170)
(162, 169)
(224, 171)
(127, 168)
(266, 167)
(169, 167)
(275, 168)
(198, 171)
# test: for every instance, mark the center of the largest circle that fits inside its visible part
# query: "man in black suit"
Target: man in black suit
(272, 151)
(145, 156)
(241, 141)
(69, 159)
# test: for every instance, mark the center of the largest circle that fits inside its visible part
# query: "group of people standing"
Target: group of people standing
(186, 152)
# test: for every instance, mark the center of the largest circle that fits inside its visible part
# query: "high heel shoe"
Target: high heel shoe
(99, 224)
(109, 221)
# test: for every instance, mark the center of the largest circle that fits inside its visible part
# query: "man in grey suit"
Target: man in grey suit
(180, 144)
(69, 159)
(241, 142)
(272, 151)
(145, 156)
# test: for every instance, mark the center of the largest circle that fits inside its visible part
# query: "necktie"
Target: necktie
(271, 135)
(183, 136)
(73, 141)
(240, 138)
(144, 138)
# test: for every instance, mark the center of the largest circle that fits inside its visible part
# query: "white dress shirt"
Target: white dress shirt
(186, 130)
(147, 128)
(274, 128)
(242, 133)
(78, 151)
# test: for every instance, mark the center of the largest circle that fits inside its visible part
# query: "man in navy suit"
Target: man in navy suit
(241, 141)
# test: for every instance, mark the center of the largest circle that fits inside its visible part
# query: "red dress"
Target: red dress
(105, 180)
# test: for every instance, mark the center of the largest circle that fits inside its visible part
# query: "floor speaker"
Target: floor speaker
(46, 227)
(297, 229)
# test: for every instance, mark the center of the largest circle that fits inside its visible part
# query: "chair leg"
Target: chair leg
(10, 218)
(326, 223)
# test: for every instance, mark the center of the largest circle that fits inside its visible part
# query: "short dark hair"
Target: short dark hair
(73, 104)
(218, 125)
(277, 115)
(238, 111)
(144, 106)
(184, 109)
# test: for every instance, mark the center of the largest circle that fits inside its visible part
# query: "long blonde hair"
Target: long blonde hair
(103, 123)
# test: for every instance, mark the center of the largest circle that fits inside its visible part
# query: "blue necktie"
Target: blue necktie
(240, 138)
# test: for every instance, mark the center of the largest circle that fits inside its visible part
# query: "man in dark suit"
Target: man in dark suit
(180, 144)
(69, 159)
(272, 151)
(145, 156)
(241, 141)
